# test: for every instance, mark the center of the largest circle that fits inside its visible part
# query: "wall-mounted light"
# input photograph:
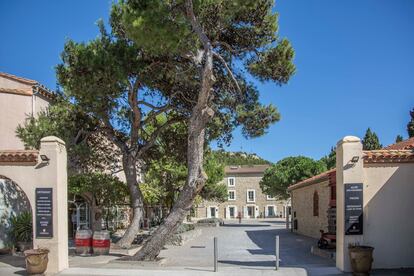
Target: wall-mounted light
(355, 159)
(44, 158)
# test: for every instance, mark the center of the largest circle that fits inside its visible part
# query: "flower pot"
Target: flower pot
(36, 261)
(361, 259)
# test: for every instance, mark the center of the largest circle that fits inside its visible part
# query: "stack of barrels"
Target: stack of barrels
(86, 244)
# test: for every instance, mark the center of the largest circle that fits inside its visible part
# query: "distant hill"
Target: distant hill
(239, 158)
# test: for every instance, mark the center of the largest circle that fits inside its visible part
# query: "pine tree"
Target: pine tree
(410, 125)
(398, 139)
(371, 141)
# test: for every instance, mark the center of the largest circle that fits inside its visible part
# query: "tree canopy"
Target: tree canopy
(371, 141)
(289, 171)
(398, 139)
(330, 159)
(410, 125)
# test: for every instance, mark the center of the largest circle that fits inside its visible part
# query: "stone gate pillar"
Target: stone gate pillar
(347, 171)
(53, 174)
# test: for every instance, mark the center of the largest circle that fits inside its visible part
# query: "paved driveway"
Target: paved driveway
(250, 245)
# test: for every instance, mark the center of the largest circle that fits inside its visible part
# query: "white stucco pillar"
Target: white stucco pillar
(54, 175)
(346, 172)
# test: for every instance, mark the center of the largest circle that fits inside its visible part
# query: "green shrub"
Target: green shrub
(21, 227)
(211, 221)
(184, 228)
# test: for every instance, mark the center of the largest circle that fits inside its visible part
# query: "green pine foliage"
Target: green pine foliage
(330, 159)
(410, 125)
(398, 139)
(371, 141)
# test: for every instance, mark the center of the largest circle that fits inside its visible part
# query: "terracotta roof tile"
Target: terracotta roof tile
(19, 156)
(19, 79)
(24, 92)
(246, 169)
(314, 179)
(403, 145)
(388, 156)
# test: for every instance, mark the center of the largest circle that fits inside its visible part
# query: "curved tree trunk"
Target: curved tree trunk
(196, 179)
(137, 205)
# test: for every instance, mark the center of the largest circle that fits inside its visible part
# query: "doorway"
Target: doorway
(212, 212)
(251, 211)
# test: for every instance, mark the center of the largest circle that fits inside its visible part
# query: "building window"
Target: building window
(251, 195)
(315, 204)
(231, 181)
(268, 197)
(232, 195)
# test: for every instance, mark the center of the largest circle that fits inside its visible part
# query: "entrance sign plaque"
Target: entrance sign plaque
(354, 209)
(44, 213)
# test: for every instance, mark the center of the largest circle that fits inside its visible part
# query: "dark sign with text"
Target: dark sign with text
(353, 209)
(44, 213)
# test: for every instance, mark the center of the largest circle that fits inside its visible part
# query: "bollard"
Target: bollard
(277, 252)
(215, 254)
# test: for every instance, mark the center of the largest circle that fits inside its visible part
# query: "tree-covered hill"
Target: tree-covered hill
(238, 158)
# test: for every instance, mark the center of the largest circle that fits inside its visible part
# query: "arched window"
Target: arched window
(315, 204)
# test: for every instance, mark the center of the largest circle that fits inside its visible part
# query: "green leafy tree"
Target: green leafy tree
(371, 141)
(289, 171)
(410, 125)
(100, 190)
(87, 151)
(330, 159)
(398, 139)
(221, 44)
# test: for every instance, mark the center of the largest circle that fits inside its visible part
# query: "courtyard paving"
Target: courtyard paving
(244, 249)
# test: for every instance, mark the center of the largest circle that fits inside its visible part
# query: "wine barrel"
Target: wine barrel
(83, 242)
(101, 242)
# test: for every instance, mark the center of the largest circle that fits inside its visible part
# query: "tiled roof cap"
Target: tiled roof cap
(388, 156)
(403, 145)
(36, 87)
(314, 179)
(19, 79)
(19, 156)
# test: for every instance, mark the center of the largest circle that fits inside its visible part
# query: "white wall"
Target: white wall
(388, 213)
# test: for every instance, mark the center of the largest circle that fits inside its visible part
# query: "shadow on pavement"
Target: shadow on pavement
(16, 261)
(245, 225)
(249, 263)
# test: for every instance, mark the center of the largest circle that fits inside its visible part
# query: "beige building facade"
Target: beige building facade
(20, 99)
(385, 191)
(313, 202)
(245, 197)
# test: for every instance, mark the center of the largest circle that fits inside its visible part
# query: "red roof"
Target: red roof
(403, 145)
(314, 179)
(18, 156)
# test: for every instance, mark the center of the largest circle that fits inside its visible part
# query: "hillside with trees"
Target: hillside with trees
(228, 158)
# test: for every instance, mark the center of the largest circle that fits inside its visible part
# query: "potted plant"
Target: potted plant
(361, 259)
(22, 230)
(36, 260)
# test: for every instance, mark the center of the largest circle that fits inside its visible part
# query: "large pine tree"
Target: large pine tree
(410, 125)
(371, 141)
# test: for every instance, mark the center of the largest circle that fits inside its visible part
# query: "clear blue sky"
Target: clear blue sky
(355, 66)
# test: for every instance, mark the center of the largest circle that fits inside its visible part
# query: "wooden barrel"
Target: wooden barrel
(83, 242)
(101, 242)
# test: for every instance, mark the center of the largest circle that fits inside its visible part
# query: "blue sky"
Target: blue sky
(355, 66)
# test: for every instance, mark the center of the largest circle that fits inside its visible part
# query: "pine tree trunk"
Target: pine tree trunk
(137, 205)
